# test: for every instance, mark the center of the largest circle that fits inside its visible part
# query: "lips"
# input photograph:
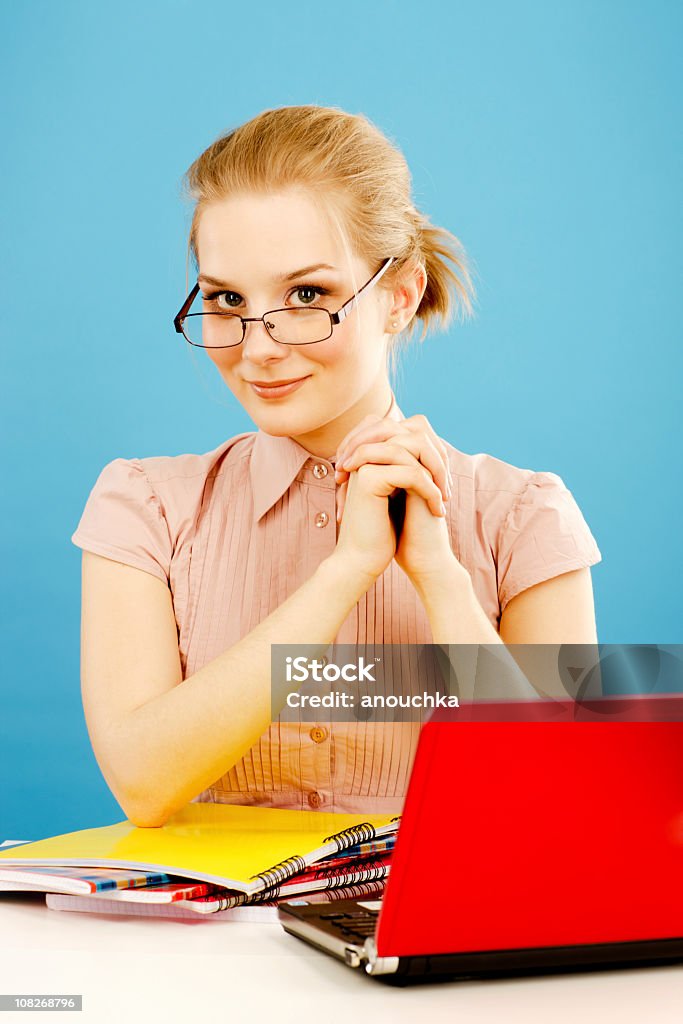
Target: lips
(276, 383)
(279, 389)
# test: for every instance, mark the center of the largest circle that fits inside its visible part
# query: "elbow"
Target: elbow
(139, 807)
(144, 815)
(146, 820)
(140, 796)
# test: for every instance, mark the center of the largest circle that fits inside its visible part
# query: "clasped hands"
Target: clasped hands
(376, 459)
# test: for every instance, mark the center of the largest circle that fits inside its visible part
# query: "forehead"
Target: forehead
(266, 232)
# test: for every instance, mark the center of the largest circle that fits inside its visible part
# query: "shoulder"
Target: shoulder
(167, 489)
(187, 471)
(505, 499)
(525, 524)
(490, 485)
(491, 475)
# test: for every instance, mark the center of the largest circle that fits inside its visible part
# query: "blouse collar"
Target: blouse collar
(276, 462)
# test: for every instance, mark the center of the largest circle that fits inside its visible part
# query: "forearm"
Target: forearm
(176, 745)
(483, 665)
(454, 613)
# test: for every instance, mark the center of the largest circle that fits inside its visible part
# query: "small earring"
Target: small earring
(394, 323)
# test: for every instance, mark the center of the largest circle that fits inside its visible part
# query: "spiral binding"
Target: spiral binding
(266, 896)
(330, 894)
(279, 872)
(359, 863)
(246, 899)
(350, 836)
(342, 840)
(354, 892)
(228, 902)
(368, 875)
(356, 834)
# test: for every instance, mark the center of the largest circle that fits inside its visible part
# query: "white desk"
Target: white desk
(135, 970)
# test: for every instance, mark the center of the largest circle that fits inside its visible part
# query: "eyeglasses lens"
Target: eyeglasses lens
(298, 326)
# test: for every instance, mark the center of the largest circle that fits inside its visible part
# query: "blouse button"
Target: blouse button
(319, 470)
(322, 519)
(318, 734)
(314, 799)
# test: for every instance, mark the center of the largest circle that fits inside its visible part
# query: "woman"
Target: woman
(195, 565)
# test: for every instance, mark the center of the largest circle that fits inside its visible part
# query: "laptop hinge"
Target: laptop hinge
(378, 964)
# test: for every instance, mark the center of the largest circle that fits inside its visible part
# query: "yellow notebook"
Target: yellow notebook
(243, 848)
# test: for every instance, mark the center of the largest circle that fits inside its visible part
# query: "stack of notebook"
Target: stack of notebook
(237, 862)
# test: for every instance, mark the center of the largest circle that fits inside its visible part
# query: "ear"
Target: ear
(406, 296)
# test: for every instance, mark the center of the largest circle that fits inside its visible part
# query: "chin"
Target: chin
(290, 421)
(280, 425)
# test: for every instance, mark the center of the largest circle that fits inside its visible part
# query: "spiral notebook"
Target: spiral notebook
(244, 848)
(302, 884)
(257, 912)
(81, 881)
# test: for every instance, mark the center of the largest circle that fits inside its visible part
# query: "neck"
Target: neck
(325, 441)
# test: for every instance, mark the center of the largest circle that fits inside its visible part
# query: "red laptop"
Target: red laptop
(536, 836)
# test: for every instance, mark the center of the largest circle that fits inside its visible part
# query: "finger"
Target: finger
(341, 500)
(420, 424)
(384, 479)
(418, 447)
(383, 453)
(370, 421)
(384, 430)
(374, 428)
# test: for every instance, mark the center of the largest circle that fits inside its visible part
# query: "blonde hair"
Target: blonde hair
(343, 158)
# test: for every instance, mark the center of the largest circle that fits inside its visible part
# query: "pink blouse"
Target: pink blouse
(233, 532)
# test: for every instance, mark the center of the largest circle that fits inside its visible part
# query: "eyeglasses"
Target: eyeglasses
(294, 325)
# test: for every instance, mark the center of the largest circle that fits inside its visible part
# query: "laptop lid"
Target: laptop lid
(537, 824)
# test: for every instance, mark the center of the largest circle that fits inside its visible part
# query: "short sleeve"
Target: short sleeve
(544, 535)
(123, 519)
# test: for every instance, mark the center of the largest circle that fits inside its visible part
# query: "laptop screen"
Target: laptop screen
(542, 823)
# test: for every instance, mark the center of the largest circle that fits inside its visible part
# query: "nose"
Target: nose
(258, 346)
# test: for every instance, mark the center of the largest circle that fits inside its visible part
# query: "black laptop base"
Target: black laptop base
(529, 962)
(323, 922)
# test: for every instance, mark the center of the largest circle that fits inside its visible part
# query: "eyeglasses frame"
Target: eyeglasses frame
(335, 318)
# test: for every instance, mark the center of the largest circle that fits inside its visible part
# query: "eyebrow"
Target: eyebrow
(280, 277)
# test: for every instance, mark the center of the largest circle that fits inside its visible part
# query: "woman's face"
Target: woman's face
(248, 244)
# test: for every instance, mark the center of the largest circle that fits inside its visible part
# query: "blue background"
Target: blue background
(543, 135)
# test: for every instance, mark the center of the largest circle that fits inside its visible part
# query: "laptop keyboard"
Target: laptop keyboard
(357, 926)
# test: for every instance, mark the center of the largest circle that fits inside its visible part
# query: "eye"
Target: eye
(308, 293)
(223, 301)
